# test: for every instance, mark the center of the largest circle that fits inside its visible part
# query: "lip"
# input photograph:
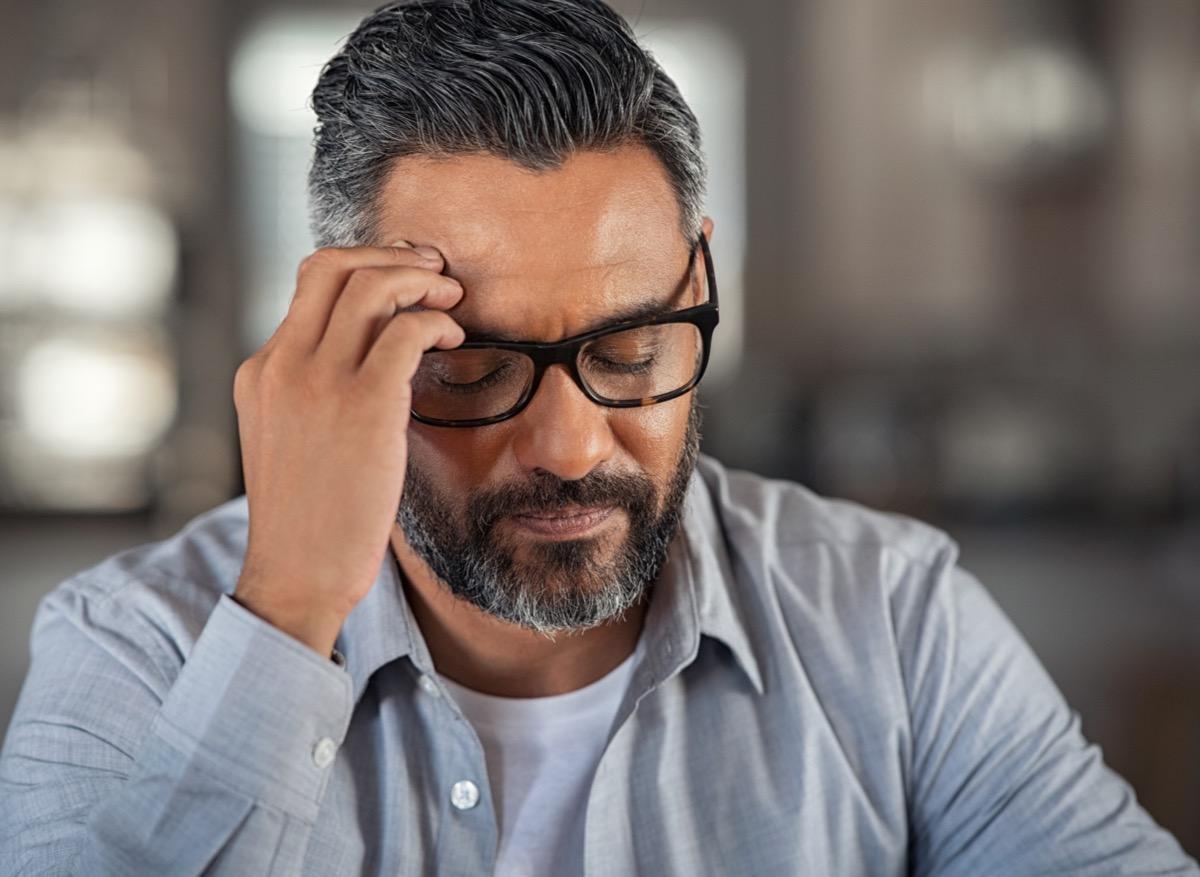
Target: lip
(569, 523)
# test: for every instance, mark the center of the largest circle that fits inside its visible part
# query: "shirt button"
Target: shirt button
(323, 752)
(428, 685)
(464, 795)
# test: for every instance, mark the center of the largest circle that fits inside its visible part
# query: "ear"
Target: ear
(706, 226)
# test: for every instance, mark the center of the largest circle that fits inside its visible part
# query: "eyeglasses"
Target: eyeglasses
(626, 365)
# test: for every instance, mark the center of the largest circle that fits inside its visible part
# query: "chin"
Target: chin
(566, 557)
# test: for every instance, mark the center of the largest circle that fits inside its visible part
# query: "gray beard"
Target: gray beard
(564, 587)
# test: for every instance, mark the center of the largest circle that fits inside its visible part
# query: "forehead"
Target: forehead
(542, 254)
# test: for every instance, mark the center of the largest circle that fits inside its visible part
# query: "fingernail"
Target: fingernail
(430, 253)
(401, 243)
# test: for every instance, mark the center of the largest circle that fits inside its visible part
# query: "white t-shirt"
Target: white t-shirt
(541, 754)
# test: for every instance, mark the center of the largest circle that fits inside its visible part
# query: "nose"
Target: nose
(562, 431)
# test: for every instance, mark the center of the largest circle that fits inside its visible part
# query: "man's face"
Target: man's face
(559, 517)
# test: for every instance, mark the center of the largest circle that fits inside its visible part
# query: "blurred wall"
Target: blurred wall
(960, 237)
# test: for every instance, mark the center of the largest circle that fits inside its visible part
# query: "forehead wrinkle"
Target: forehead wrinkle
(464, 270)
(608, 284)
(639, 308)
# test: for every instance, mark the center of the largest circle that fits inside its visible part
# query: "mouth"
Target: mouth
(568, 522)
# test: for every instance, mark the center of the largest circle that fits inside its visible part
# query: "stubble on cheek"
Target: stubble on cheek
(546, 584)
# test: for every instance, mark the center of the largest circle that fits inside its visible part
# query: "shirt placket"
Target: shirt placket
(468, 833)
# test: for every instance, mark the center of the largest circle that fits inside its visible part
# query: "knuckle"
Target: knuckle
(368, 282)
(379, 284)
(279, 375)
(401, 334)
(364, 279)
(412, 323)
(325, 257)
(268, 379)
(432, 325)
(245, 377)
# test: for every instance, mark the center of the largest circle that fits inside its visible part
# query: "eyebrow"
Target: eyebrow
(639, 311)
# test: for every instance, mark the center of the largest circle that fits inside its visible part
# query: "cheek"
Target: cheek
(653, 436)
(454, 459)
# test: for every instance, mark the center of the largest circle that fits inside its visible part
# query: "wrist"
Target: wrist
(314, 627)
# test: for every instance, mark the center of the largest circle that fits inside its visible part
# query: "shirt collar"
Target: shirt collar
(693, 596)
(380, 629)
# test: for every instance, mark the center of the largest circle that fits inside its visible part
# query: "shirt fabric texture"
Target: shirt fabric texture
(541, 754)
(821, 690)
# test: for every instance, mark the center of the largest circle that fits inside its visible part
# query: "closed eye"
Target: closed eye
(620, 366)
(490, 379)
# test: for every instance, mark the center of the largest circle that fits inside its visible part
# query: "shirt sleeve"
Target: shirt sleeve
(1002, 780)
(109, 768)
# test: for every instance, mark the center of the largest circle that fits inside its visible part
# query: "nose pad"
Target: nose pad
(562, 431)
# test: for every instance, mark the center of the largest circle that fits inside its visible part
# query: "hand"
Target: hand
(323, 411)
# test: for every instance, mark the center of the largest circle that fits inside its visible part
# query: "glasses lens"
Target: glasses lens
(470, 384)
(642, 363)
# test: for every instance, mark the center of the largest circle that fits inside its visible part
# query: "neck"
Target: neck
(492, 656)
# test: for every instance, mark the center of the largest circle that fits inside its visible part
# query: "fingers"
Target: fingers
(371, 298)
(396, 353)
(322, 277)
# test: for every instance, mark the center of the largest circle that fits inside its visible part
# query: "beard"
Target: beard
(569, 585)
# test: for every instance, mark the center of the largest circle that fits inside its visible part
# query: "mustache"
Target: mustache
(544, 492)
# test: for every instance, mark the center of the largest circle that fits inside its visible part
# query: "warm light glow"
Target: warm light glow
(1022, 109)
(276, 66)
(98, 396)
(100, 256)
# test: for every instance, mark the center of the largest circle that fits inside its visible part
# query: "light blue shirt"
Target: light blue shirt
(822, 690)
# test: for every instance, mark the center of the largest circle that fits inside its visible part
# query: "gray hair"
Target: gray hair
(528, 80)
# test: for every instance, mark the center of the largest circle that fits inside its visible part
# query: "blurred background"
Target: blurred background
(958, 251)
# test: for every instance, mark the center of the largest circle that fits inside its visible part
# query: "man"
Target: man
(483, 608)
